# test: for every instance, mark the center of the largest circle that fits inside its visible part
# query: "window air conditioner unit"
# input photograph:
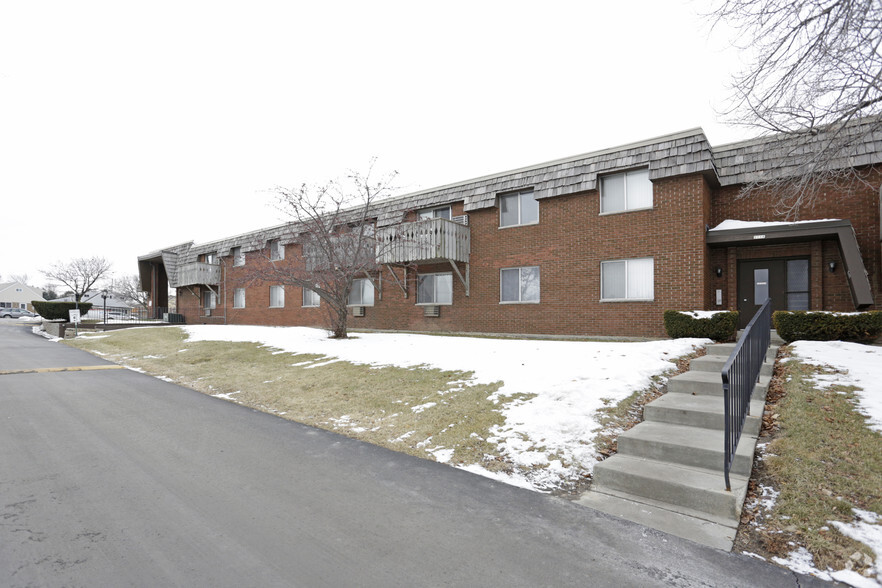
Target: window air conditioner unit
(432, 311)
(463, 219)
(358, 311)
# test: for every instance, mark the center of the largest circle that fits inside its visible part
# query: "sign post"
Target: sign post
(74, 314)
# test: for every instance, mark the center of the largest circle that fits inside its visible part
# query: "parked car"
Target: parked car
(15, 313)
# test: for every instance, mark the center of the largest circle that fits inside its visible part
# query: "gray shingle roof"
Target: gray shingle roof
(776, 157)
(667, 156)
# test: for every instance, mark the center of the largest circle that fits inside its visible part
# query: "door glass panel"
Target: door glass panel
(797, 301)
(797, 275)
(760, 285)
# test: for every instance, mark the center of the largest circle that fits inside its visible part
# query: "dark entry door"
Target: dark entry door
(758, 280)
(785, 281)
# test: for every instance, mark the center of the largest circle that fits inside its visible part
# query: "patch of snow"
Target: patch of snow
(867, 530)
(568, 380)
(853, 578)
(754, 555)
(329, 362)
(442, 455)
(855, 365)
(228, 395)
(152, 357)
(513, 480)
(802, 562)
(702, 313)
(39, 331)
(730, 224)
(422, 407)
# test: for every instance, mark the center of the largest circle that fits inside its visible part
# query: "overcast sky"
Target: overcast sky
(128, 127)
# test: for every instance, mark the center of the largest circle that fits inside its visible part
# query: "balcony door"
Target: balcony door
(785, 281)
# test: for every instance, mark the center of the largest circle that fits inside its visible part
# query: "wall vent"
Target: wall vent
(358, 311)
(433, 311)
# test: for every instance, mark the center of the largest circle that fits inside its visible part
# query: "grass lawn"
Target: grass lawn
(438, 414)
(820, 461)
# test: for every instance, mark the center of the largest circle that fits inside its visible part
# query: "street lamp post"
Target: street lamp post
(104, 296)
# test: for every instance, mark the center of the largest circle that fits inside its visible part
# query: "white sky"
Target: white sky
(127, 127)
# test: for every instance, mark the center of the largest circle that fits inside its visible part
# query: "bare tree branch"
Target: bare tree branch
(330, 237)
(816, 70)
(79, 274)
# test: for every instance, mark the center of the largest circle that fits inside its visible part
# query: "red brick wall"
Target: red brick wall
(859, 204)
(569, 244)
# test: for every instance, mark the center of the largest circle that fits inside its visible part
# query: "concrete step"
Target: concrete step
(726, 349)
(660, 516)
(685, 445)
(699, 489)
(714, 363)
(709, 384)
(699, 411)
(775, 339)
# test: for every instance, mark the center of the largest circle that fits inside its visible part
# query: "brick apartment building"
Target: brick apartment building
(599, 244)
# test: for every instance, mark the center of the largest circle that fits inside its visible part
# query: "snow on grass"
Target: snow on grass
(855, 364)
(570, 381)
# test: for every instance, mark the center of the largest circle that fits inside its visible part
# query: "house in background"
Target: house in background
(18, 295)
(116, 307)
(597, 244)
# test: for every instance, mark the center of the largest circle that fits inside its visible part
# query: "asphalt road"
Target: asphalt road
(109, 477)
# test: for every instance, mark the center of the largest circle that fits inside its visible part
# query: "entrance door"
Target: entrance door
(785, 281)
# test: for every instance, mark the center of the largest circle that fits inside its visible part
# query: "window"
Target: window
(277, 250)
(625, 191)
(310, 298)
(210, 257)
(239, 298)
(435, 288)
(798, 284)
(442, 212)
(520, 208)
(519, 284)
(362, 293)
(629, 279)
(238, 258)
(209, 299)
(277, 296)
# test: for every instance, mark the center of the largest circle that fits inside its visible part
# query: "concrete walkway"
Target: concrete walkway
(668, 472)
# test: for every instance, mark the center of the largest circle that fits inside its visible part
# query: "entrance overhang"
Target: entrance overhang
(841, 230)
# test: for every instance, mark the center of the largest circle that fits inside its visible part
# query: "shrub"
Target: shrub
(58, 310)
(861, 327)
(720, 326)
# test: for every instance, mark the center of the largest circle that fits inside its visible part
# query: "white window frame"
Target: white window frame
(520, 299)
(517, 196)
(360, 285)
(311, 299)
(238, 256)
(277, 288)
(237, 301)
(625, 175)
(211, 258)
(428, 213)
(434, 301)
(627, 297)
(277, 250)
(212, 297)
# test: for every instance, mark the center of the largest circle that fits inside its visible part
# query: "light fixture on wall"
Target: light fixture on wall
(832, 266)
(719, 272)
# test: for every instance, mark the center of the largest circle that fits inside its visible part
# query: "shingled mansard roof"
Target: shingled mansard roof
(671, 155)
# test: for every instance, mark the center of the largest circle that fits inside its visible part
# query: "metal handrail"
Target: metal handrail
(740, 374)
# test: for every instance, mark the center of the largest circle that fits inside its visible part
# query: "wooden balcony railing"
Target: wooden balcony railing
(191, 274)
(428, 240)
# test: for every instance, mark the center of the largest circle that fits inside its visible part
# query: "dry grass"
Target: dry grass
(387, 406)
(824, 460)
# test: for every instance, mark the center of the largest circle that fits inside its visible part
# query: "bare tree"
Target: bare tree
(20, 278)
(332, 233)
(816, 78)
(79, 274)
(129, 289)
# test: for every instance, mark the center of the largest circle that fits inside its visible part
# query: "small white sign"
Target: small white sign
(74, 315)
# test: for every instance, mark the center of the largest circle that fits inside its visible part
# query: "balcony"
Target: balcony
(191, 274)
(425, 241)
